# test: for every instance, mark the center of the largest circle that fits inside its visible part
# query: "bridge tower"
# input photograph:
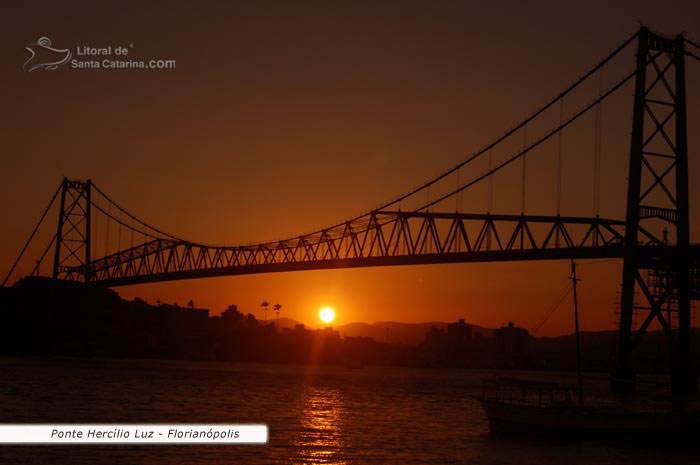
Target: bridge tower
(73, 235)
(657, 199)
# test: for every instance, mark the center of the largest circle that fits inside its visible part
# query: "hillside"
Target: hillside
(397, 333)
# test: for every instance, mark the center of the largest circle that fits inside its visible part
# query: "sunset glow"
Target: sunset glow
(327, 314)
(499, 198)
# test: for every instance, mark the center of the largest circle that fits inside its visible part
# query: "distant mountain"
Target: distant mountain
(398, 333)
(284, 322)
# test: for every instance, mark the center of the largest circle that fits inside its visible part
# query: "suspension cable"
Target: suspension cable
(41, 259)
(426, 185)
(484, 150)
(429, 203)
(519, 126)
(148, 226)
(533, 145)
(31, 236)
(109, 216)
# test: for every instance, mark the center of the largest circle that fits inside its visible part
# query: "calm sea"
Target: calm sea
(315, 415)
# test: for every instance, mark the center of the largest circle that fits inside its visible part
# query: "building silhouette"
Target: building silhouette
(511, 343)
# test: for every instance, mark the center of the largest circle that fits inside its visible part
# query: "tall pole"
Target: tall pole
(574, 280)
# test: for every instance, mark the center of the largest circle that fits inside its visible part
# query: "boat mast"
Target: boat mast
(575, 280)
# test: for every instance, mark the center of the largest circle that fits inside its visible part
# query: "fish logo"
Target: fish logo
(44, 56)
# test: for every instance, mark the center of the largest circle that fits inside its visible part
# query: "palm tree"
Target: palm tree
(264, 305)
(190, 303)
(277, 308)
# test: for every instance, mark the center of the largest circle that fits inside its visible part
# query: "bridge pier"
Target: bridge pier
(73, 237)
(663, 280)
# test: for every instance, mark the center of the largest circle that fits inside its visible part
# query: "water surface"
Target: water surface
(321, 415)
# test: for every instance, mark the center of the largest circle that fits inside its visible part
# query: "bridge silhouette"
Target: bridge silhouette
(663, 265)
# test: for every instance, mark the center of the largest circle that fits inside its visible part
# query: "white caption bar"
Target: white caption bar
(133, 434)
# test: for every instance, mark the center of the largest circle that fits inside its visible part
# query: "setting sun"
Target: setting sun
(327, 314)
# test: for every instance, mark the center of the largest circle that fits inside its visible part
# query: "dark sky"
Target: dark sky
(282, 117)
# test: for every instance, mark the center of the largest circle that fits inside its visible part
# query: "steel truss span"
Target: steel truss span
(387, 238)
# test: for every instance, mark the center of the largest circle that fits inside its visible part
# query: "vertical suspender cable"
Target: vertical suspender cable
(458, 198)
(598, 149)
(93, 218)
(97, 224)
(109, 208)
(522, 209)
(560, 149)
(458, 201)
(489, 207)
(559, 155)
(490, 188)
(119, 233)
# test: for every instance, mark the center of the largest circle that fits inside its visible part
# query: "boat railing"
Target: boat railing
(528, 393)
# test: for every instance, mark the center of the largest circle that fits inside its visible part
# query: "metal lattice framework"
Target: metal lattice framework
(385, 238)
(73, 236)
(658, 189)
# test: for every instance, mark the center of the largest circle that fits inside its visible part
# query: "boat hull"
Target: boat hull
(574, 421)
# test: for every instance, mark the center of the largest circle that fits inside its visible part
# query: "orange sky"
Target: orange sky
(283, 118)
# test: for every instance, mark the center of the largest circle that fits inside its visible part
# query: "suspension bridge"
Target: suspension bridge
(653, 239)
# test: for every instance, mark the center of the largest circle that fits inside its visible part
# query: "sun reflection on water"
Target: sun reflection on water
(320, 437)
